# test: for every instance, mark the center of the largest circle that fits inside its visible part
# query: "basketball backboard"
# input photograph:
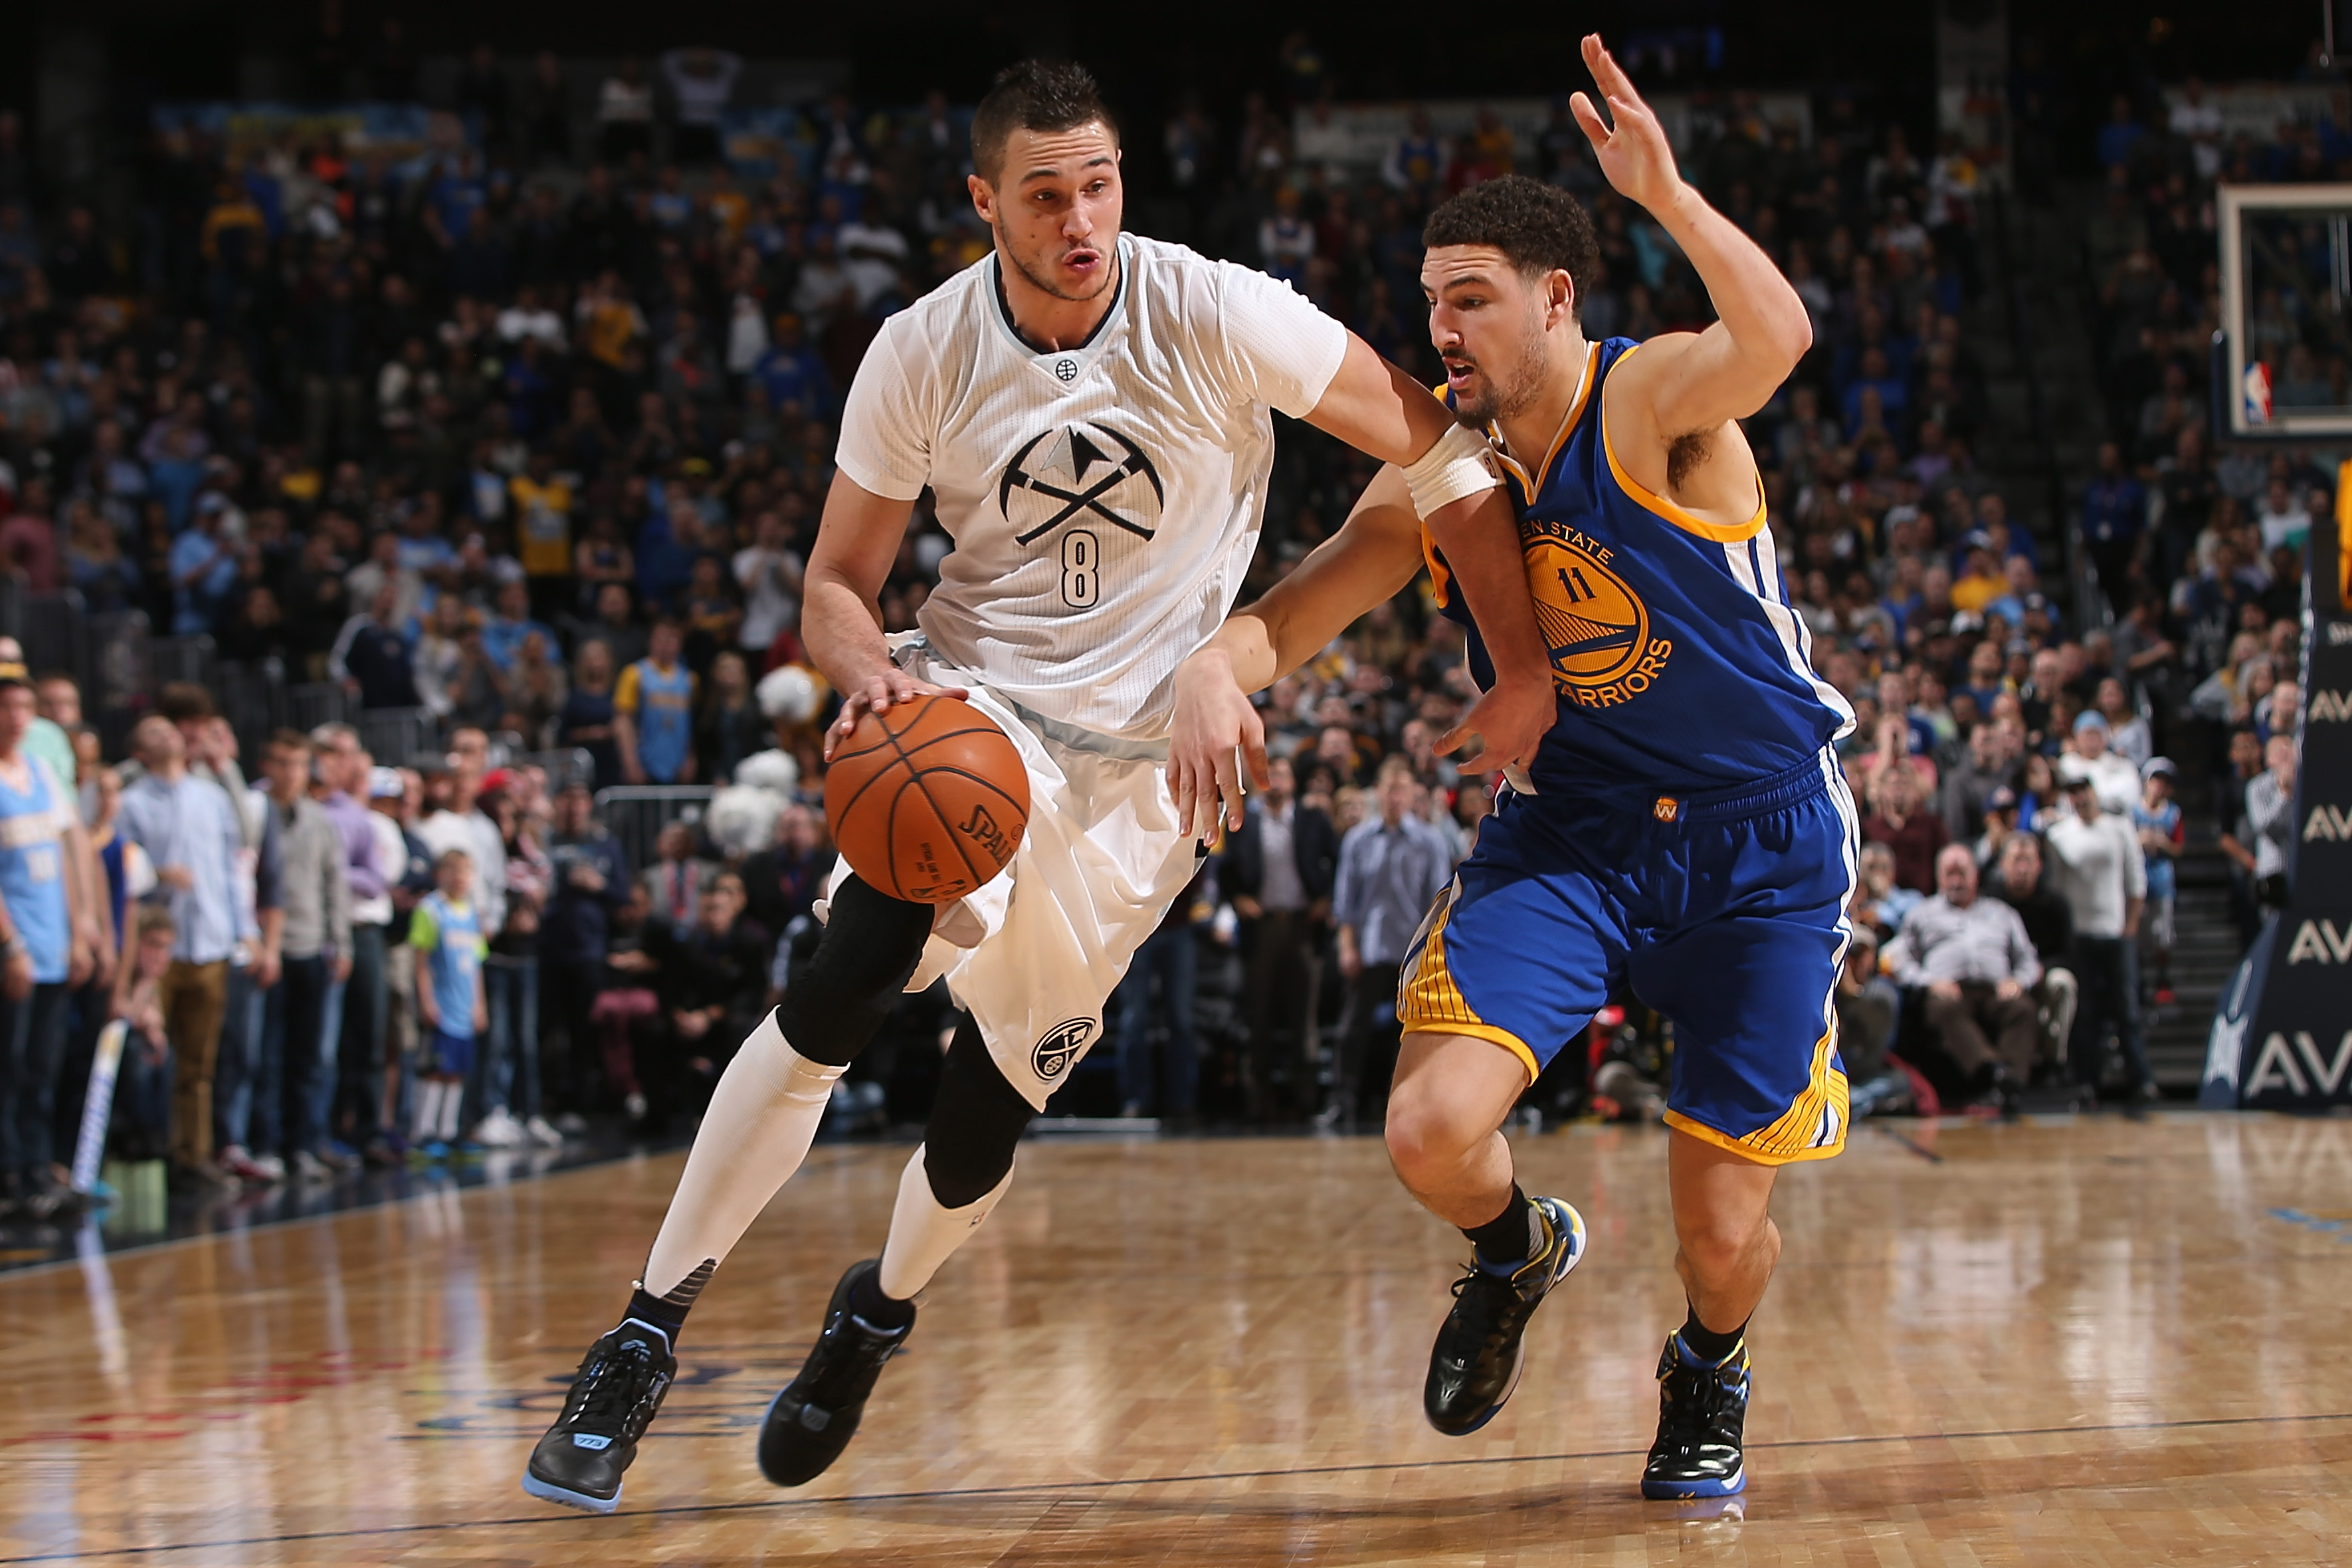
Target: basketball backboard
(2286, 311)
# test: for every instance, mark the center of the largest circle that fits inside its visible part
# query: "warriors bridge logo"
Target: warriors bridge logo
(1596, 627)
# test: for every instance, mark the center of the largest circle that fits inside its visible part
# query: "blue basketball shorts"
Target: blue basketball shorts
(1726, 913)
(450, 1055)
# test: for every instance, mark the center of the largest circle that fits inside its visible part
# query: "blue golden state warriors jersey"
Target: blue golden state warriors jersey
(1679, 665)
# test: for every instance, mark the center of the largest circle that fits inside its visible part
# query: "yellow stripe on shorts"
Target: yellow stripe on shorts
(1806, 1130)
(1430, 1003)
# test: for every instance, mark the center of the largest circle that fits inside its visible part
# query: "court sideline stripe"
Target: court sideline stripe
(302, 1222)
(954, 1492)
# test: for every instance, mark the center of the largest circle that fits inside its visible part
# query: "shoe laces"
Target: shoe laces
(1698, 1403)
(616, 1385)
(1490, 1302)
(1530, 1268)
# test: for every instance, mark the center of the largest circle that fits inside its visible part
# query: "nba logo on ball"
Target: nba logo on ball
(1061, 1047)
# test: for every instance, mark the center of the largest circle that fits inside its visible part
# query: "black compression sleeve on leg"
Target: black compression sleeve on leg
(976, 1123)
(871, 944)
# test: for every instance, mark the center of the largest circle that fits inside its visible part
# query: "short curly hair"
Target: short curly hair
(1537, 226)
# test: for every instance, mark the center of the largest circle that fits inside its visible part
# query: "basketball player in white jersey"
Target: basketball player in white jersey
(1089, 410)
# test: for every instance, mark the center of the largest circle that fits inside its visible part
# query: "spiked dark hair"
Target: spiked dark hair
(1537, 226)
(1033, 95)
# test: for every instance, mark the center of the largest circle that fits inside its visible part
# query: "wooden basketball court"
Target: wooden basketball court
(2065, 1341)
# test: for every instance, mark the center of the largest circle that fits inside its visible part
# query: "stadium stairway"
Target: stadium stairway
(2204, 955)
(2032, 337)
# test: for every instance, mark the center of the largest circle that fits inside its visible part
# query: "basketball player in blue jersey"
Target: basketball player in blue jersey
(1685, 827)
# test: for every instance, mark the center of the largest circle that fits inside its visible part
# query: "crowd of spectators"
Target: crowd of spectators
(2203, 559)
(2194, 573)
(536, 442)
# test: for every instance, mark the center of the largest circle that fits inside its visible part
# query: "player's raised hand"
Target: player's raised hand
(1510, 721)
(883, 688)
(1214, 724)
(1635, 154)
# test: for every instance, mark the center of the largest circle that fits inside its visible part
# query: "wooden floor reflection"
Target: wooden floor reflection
(2054, 1342)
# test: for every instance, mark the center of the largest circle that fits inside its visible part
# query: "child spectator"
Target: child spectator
(2157, 818)
(451, 1000)
(141, 1128)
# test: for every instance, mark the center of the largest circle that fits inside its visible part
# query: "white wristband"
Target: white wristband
(1460, 464)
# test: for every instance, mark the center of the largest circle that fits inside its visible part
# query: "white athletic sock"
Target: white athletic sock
(762, 1115)
(453, 1100)
(428, 1110)
(923, 1234)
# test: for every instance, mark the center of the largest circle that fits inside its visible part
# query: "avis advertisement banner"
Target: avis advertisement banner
(2281, 1038)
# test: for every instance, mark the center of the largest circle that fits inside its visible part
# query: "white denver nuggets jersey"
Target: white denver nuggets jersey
(1105, 500)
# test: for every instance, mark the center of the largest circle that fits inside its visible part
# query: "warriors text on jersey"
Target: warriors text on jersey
(1679, 664)
(1103, 500)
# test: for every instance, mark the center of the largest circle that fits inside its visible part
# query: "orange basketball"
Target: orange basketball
(927, 801)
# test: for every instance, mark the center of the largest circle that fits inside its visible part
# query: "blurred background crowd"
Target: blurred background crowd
(501, 429)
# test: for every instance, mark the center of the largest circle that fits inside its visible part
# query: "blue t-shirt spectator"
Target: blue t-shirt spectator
(33, 826)
(204, 570)
(379, 660)
(188, 822)
(2119, 136)
(576, 926)
(795, 374)
(502, 640)
(454, 195)
(1893, 397)
(2165, 819)
(448, 934)
(664, 565)
(428, 554)
(2115, 508)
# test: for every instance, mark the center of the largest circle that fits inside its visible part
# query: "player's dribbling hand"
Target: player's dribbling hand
(887, 686)
(1213, 723)
(1510, 721)
(1635, 155)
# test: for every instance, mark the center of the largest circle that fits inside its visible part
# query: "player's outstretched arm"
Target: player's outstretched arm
(1380, 410)
(841, 604)
(1371, 559)
(1684, 384)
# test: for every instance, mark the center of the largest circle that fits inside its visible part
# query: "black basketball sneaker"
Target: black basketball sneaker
(581, 1460)
(812, 1420)
(1702, 1413)
(1477, 1360)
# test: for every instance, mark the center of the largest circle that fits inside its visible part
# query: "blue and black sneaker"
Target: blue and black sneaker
(1702, 1412)
(580, 1462)
(1478, 1355)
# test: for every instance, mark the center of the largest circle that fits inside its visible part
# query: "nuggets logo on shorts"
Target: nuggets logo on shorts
(1063, 1044)
(1596, 627)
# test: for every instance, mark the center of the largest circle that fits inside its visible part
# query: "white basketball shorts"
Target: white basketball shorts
(1034, 954)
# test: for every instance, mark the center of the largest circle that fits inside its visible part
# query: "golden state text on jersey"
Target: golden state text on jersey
(1679, 664)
